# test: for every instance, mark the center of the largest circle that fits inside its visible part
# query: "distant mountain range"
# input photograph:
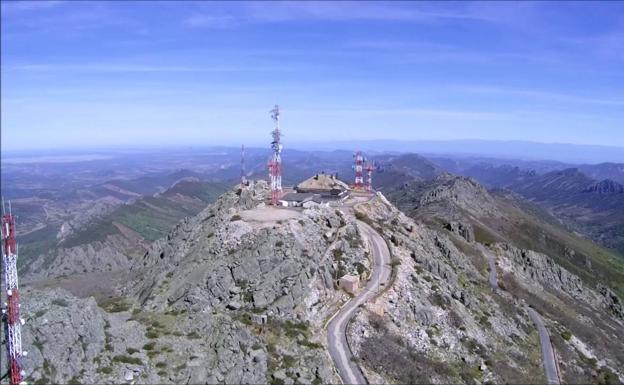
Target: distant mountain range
(563, 152)
(594, 207)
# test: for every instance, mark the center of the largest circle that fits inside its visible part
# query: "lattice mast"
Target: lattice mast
(243, 176)
(369, 176)
(358, 167)
(275, 164)
(11, 314)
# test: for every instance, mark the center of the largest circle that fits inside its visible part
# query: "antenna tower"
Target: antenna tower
(358, 167)
(275, 164)
(369, 177)
(11, 314)
(243, 177)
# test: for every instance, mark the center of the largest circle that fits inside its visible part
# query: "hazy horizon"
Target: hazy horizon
(511, 150)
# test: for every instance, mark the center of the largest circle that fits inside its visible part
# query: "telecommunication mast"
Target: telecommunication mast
(11, 314)
(369, 176)
(243, 176)
(358, 167)
(275, 164)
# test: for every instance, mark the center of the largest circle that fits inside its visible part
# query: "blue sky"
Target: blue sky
(77, 74)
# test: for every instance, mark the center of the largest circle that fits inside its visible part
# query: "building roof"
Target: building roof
(297, 197)
(322, 182)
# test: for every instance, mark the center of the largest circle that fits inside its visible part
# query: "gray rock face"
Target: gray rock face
(63, 335)
(612, 301)
(543, 269)
(69, 338)
(462, 191)
(190, 311)
(96, 256)
(441, 321)
(464, 230)
(216, 261)
(606, 186)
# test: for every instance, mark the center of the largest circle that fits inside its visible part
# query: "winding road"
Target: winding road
(548, 356)
(493, 277)
(339, 350)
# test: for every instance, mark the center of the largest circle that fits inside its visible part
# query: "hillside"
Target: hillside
(459, 202)
(243, 292)
(108, 239)
(588, 199)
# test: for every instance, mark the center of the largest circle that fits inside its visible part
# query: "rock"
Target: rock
(280, 375)
(128, 375)
(464, 230)
(258, 355)
(234, 305)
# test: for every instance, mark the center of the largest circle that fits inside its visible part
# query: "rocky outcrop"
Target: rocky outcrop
(541, 268)
(220, 260)
(439, 320)
(464, 230)
(466, 193)
(606, 186)
(112, 254)
(442, 322)
(70, 339)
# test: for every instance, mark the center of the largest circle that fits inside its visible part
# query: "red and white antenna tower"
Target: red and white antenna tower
(243, 177)
(11, 313)
(275, 164)
(369, 176)
(358, 167)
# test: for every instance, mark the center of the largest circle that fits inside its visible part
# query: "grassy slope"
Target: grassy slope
(527, 226)
(547, 236)
(152, 217)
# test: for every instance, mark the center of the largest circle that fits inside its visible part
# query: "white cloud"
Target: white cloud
(538, 94)
(137, 68)
(273, 12)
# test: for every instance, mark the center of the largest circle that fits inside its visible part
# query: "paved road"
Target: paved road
(493, 277)
(348, 370)
(548, 355)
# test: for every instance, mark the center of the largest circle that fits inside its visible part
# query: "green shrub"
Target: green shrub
(289, 361)
(131, 350)
(105, 370)
(235, 217)
(128, 360)
(193, 335)
(309, 344)
(149, 346)
(116, 305)
(161, 365)
(60, 302)
(566, 335)
(152, 333)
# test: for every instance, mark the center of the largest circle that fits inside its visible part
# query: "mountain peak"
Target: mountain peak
(605, 186)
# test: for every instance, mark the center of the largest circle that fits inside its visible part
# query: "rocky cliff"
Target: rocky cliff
(239, 293)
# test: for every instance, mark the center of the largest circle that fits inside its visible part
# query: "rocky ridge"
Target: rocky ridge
(229, 296)
(241, 293)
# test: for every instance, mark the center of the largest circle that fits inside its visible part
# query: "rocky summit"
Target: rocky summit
(244, 292)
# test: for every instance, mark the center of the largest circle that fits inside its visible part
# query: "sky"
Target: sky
(85, 73)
